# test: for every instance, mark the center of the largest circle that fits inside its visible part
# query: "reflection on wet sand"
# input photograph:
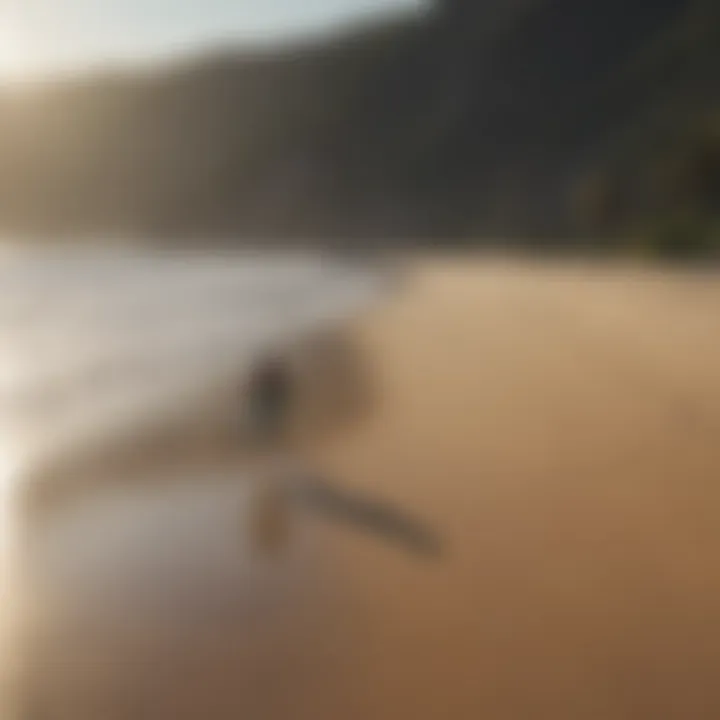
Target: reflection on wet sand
(151, 602)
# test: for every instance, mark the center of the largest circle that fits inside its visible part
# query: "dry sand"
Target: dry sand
(560, 428)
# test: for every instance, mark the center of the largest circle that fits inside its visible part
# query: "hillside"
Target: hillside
(480, 119)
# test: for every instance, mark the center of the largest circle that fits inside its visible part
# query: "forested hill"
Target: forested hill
(495, 118)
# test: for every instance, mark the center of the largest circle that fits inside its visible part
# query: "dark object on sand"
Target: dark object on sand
(271, 394)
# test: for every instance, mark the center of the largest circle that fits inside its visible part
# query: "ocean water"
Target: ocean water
(94, 343)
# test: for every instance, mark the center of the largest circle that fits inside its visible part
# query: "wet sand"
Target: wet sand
(557, 426)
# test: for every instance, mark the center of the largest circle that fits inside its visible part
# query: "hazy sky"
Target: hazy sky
(47, 35)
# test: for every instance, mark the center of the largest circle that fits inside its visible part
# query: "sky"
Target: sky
(39, 37)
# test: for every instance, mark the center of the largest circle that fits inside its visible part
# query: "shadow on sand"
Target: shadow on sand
(371, 516)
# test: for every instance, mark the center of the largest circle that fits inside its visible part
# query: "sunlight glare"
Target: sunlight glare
(15, 56)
